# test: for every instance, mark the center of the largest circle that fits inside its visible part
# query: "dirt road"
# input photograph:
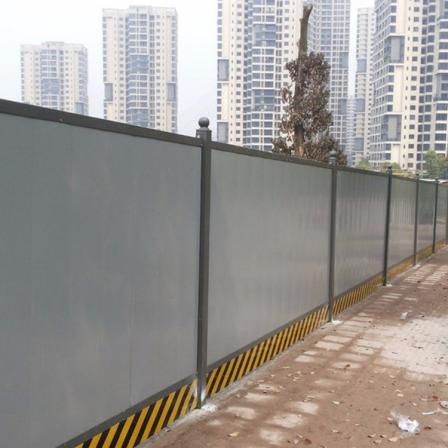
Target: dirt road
(337, 389)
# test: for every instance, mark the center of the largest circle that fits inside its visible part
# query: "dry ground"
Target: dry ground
(338, 388)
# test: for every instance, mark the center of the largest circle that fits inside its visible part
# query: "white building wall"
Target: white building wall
(140, 66)
(363, 84)
(330, 35)
(255, 41)
(433, 108)
(55, 75)
(396, 82)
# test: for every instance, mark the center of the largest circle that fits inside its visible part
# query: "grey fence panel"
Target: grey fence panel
(269, 247)
(402, 220)
(442, 213)
(98, 275)
(360, 228)
(427, 197)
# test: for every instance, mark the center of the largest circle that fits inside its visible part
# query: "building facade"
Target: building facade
(433, 108)
(330, 34)
(140, 66)
(396, 83)
(351, 131)
(55, 75)
(256, 38)
(363, 85)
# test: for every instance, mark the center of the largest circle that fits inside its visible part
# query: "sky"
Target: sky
(80, 21)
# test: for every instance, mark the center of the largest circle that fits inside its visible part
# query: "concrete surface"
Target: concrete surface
(341, 386)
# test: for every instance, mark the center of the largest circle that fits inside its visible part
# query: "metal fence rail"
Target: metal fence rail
(142, 272)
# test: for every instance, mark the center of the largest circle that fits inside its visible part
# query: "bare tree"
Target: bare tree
(305, 127)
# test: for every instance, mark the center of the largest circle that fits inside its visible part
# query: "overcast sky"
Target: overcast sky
(79, 21)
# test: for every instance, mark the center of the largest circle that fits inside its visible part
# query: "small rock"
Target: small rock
(393, 439)
(234, 434)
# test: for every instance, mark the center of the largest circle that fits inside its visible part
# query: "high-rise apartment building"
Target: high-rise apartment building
(256, 38)
(54, 75)
(396, 81)
(363, 85)
(140, 66)
(350, 131)
(330, 35)
(433, 108)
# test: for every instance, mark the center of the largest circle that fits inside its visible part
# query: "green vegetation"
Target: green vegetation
(436, 166)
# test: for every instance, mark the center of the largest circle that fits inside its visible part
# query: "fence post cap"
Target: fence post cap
(333, 157)
(204, 122)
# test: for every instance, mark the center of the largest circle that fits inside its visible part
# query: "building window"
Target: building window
(171, 92)
(108, 91)
(391, 128)
(344, 60)
(360, 105)
(80, 108)
(223, 132)
(362, 66)
(223, 70)
(394, 49)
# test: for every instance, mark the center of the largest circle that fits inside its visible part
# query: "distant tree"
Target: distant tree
(304, 130)
(365, 164)
(396, 169)
(434, 165)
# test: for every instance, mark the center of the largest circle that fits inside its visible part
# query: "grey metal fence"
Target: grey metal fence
(268, 259)
(142, 272)
(98, 272)
(402, 220)
(360, 228)
(442, 213)
(426, 210)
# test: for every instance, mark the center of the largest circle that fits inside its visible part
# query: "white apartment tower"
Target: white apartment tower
(351, 131)
(363, 84)
(256, 38)
(330, 35)
(140, 66)
(433, 108)
(396, 82)
(54, 75)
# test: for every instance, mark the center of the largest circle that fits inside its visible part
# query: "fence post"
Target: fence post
(387, 233)
(436, 211)
(205, 134)
(334, 187)
(417, 194)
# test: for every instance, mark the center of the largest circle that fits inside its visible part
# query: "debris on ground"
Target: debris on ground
(404, 316)
(444, 404)
(406, 424)
(430, 412)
